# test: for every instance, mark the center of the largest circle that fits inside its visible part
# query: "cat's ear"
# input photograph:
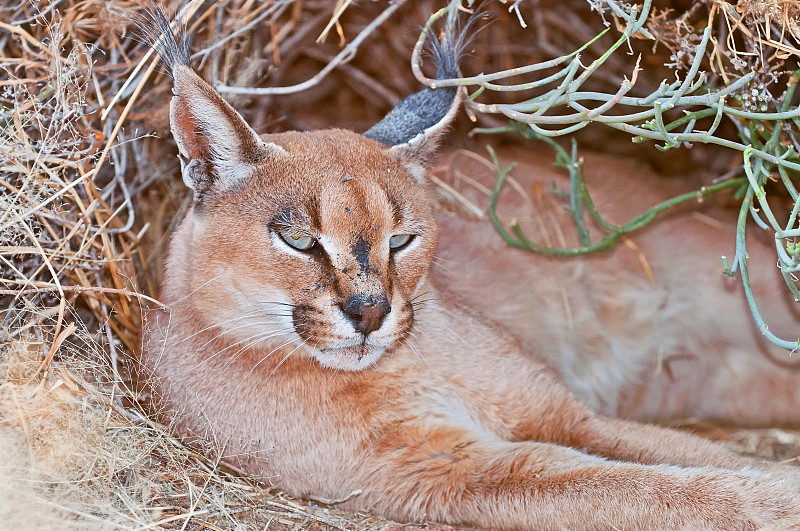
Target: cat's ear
(218, 149)
(414, 128)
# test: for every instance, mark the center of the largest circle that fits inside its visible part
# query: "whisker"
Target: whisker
(258, 337)
(257, 340)
(314, 348)
(198, 288)
(406, 342)
(440, 262)
(280, 303)
(246, 344)
(285, 358)
(227, 330)
(214, 325)
(417, 296)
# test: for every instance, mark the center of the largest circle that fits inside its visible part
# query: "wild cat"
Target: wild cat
(305, 336)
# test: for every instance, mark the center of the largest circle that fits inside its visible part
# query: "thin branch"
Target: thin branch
(345, 56)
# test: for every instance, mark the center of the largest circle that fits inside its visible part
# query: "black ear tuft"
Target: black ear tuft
(416, 122)
(218, 149)
(448, 51)
(169, 40)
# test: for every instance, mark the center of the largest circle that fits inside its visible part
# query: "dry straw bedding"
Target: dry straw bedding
(89, 190)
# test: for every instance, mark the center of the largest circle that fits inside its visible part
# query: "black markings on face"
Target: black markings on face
(302, 317)
(312, 207)
(361, 254)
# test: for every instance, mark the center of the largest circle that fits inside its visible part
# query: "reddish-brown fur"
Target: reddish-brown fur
(679, 345)
(436, 415)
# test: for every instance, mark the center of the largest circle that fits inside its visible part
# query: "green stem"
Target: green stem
(741, 257)
(520, 241)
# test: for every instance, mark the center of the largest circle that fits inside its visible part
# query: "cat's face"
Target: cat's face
(312, 242)
(322, 247)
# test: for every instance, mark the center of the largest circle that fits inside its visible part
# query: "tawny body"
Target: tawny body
(454, 423)
(304, 338)
(461, 427)
(652, 330)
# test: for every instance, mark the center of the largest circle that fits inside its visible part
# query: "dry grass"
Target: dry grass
(89, 191)
(87, 199)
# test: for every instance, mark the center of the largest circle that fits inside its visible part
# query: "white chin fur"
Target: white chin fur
(354, 358)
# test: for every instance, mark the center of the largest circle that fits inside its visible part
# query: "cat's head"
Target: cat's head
(315, 241)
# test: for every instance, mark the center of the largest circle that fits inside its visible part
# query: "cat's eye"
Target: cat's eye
(301, 242)
(398, 241)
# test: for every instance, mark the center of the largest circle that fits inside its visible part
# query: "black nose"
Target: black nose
(366, 313)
